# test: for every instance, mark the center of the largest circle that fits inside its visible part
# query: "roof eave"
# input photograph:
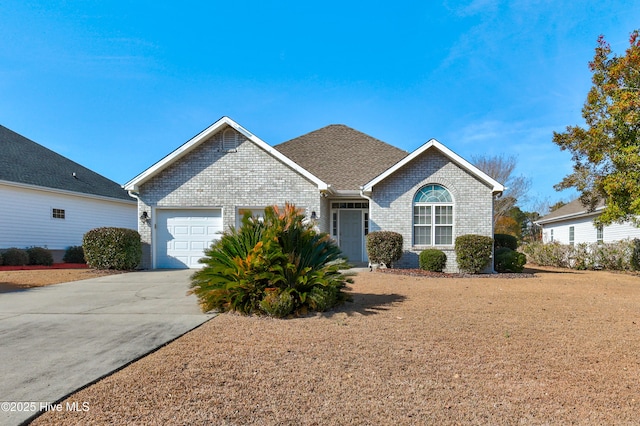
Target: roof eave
(66, 192)
(562, 218)
(496, 187)
(134, 184)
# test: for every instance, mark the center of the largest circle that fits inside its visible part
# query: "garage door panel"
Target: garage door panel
(181, 245)
(183, 235)
(197, 230)
(180, 230)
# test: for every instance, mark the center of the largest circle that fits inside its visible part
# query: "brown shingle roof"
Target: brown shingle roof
(341, 156)
(572, 209)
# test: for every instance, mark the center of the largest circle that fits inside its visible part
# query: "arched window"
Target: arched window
(432, 216)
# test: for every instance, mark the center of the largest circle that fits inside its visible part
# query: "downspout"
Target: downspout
(366, 197)
(493, 232)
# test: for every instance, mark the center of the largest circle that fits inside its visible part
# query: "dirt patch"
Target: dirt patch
(38, 277)
(561, 347)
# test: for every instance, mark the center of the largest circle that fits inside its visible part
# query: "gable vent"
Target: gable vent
(229, 140)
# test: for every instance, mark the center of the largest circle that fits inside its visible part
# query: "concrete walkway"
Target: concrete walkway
(56, 339)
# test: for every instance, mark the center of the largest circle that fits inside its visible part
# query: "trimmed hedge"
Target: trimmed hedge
(384, 247)
(433, 260)
(505, 240)
(15, 257)
(74, 254)
(473, 252)
(507, 260)
(112, 248)
(39, 256)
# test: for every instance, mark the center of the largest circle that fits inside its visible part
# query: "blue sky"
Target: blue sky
(117, 85)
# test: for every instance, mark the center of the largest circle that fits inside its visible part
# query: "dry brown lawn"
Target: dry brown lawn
(560, 348)
(12, 280)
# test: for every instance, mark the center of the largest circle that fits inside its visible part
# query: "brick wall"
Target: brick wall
(212, 177)
(392, 207)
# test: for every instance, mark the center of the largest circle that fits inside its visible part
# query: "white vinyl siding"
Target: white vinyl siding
(586, 232)
(27, 217)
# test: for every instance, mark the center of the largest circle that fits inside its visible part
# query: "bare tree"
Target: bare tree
(501, 168)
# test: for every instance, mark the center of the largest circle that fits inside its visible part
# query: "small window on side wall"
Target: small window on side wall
(572, 235)
(600, 234)
(57, 213)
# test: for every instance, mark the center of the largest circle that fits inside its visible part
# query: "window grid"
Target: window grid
(600, 234)
(366, 223)
(58, 213)
(572, 232)
(433, 216)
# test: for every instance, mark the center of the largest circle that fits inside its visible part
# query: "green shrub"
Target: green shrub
(73, 254)
(112, 248)
(505, 240)
(279, 266)
(0, 259)
(473, 252)
(39, 256)
(15, 257)
(384, 247)
(277, 302)
(432, 260)
(507, 260)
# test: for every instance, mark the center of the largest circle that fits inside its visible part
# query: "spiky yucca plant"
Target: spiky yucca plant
(278, 266)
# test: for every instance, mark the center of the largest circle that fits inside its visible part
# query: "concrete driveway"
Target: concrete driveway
(56, 339)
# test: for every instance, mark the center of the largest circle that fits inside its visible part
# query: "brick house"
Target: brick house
(349, 182)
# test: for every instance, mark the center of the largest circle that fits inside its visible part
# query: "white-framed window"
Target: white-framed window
(551, 235)
(432, 216)
(572, 235)
(600, 234)
(58, 213)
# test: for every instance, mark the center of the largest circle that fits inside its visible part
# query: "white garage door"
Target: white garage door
(183, 235)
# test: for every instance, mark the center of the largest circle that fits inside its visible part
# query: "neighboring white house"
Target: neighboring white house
(573, 224)
(50, 201)
(348, 182)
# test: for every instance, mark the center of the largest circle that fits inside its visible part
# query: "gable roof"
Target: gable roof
(452, 156)
(571, 210)
(203, 136)
(341, 156)
(26, 163)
